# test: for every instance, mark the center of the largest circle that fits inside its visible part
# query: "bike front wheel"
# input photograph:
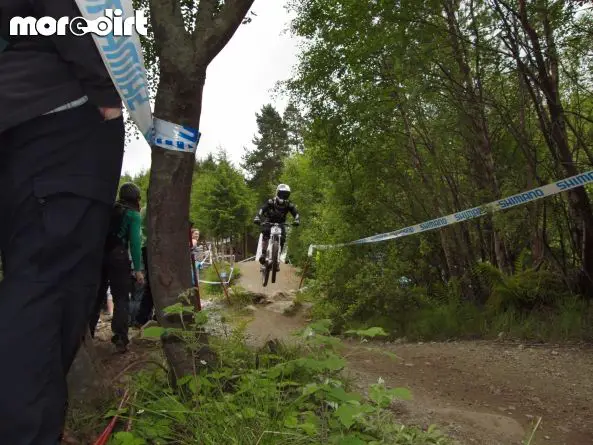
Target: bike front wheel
(275, 252)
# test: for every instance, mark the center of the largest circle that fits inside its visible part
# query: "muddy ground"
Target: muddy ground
(479, 392)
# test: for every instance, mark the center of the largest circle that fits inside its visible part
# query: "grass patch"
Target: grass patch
(570, 321)
(279, 394)
(209, 274)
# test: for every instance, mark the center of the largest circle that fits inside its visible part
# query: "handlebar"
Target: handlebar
(277, 224)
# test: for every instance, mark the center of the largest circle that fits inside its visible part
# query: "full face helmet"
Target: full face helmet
(282, 194)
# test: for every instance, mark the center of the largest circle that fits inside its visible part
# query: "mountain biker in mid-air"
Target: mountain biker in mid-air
(275, 211)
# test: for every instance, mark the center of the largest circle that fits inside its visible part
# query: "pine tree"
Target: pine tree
(295, 125)
(264, 163)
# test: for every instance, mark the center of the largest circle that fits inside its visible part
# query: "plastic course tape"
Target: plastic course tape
(226, 283)
(467, 214)
(123, 59)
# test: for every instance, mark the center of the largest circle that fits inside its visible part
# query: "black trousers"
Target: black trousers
(58, 180)
(116, 274)
(146, 304)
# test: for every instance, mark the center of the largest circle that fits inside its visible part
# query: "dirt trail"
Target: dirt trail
(483, 393)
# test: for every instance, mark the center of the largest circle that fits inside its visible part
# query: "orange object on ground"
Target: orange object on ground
(106, 434)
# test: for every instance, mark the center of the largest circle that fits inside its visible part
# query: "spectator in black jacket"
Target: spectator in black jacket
(61, 150)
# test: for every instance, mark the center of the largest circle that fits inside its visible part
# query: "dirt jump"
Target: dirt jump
(269, 322)
(479, 392)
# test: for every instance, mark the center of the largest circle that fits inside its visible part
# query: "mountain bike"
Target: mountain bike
(272, 253)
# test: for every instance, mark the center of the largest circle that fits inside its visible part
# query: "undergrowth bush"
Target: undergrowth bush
(531, 304)
(279, 394)
(525, 291)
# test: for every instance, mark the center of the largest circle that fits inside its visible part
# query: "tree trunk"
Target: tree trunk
(86, 377)
(542, 75)
(472, 110)
(455, 256)
(537, 235)
(183, 59)
(168, 201)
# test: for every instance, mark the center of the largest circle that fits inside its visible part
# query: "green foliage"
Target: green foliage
(221, 203)
(414, 112)
(308, 187)
(288, 395)
(370, 332)
(525, 291)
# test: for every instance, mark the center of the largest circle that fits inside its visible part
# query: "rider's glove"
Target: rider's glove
(297, 222)
(256, 220)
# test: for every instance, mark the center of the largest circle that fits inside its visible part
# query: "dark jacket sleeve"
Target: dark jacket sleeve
(263, 211)
(135, 237)
(81, 53)
(293, 210)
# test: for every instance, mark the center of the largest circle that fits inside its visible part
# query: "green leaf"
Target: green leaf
(351, 439)
(193, 385)
(111, 413)
(334, 363)
(309, 428)
(127, 438)
(321, 326)
(185, 379)
(249, 413)
(370, 332)
(311, 388)
(178, 308)
(339, 394)
(291, 421)
(347, 414)
(401, 393)
(287, 383)
(382, 396)
(153, 332)
(200, 318)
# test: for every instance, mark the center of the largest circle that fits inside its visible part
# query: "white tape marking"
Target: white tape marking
(475, 212)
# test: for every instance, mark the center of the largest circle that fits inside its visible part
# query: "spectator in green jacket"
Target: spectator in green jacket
(144, 312)
(125, 235)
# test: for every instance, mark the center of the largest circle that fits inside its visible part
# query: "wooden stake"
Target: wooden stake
(303, 274)
(224, 288)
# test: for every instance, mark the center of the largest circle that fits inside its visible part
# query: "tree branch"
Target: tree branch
(171, 39)
(211, 40)
(204, 19)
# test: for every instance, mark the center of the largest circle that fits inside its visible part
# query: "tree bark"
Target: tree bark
(86, 377)
(183, 59)
(537, 235)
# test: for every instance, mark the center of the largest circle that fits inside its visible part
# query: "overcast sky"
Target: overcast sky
(238, 82)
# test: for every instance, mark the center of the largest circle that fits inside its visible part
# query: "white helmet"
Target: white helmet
(282, 193)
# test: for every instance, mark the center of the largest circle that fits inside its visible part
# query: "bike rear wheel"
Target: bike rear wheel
(275, 251)
(265, 274)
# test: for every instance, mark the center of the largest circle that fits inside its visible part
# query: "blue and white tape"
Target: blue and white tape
(175, 137)
(226, 282)
(475, 212)
(123, 59)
